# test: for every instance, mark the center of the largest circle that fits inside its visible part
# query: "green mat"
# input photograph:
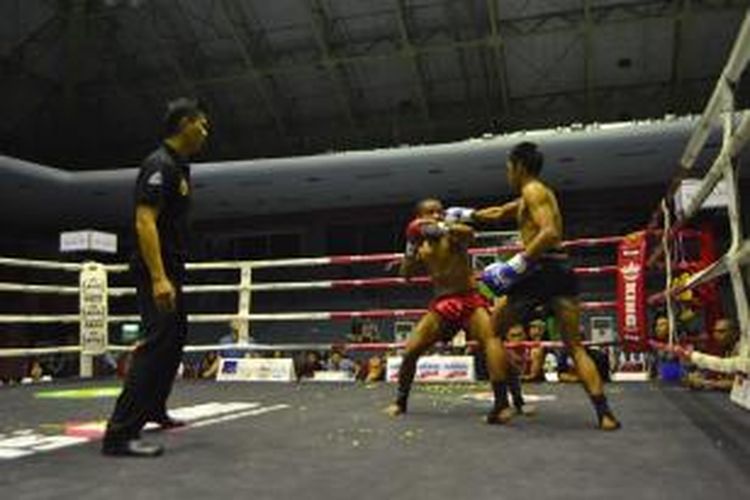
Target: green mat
(85, 393)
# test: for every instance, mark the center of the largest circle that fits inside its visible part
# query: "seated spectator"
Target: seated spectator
(517, 355)
(535, 371)
(339, 363)
(660, 333)
(660, 329)
(233, 337)
(724, 334)
(687, 320)
(518, 361)
(360, 369)
(355, 333)
(36, 372)
(375, 369)
(516, 333)
(309, 365)
(369, 332)
(209, 366)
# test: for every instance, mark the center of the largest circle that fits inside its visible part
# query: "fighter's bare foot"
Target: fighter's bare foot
(394, 410)
(609, 423)
(499, 417)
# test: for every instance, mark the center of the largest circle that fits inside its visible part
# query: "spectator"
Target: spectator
(369, 332)
(309, 365)
(355, 335)
(517, 355)
(375, 369)
(516, 333)
(209, 366)
(661, 328)
(687, 303)
(517, 364)
(36, 372)
(233, 337)
(724, 335)
(360, 369)
(660, 333)
(535, 372)
(339, 363)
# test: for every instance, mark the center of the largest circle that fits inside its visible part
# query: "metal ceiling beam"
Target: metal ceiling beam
(186, 84)
(632, 94)
(12, 65)
(226, 140)
(407, 50)
(17, 51)
(450, 6)
(332, 63)
(125, 61)
(588, 63)
(571, 19)
(531, 110)
(75, 18)
(679, 26)
(498, 48)
(599, 13)
(256, 77)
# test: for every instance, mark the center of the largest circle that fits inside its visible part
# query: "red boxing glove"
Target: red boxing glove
(414, 230)
(419, 229)
(413, 237)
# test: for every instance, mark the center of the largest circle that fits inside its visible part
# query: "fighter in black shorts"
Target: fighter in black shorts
(540, 274)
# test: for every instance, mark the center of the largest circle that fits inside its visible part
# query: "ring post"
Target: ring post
(245, 301)
(94, 310)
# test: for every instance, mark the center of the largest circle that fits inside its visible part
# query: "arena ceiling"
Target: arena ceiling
(84, 81)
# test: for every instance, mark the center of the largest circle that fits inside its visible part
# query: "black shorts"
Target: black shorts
(548, 278)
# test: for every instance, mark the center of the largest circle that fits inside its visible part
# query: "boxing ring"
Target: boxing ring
(334, 436)
(290, 439)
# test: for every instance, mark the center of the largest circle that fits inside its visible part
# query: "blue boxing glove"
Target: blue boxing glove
(500, 276)
(459, 214)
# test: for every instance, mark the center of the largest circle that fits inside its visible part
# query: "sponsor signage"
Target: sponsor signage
(256, 370)
(27, 442)
(88, 240)
(631, 289)
(436, 369)
(93, 309)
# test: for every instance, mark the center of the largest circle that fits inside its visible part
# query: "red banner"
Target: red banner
(631, 292)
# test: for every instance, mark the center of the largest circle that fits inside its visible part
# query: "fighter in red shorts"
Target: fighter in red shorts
(440, 250)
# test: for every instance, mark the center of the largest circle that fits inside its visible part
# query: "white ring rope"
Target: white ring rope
(39, 351)
(246, 286)
(40, 264)
(31, 288)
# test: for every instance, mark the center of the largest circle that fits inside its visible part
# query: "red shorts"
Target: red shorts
(455, 309)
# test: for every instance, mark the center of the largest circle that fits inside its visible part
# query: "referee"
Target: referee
(162, 201)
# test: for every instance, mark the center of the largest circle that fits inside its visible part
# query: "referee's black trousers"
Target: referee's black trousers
(154, 363)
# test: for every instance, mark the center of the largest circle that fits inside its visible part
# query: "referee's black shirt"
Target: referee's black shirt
(164, 182)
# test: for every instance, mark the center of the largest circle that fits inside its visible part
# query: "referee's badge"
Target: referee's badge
(155, 179)
(184, 188)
